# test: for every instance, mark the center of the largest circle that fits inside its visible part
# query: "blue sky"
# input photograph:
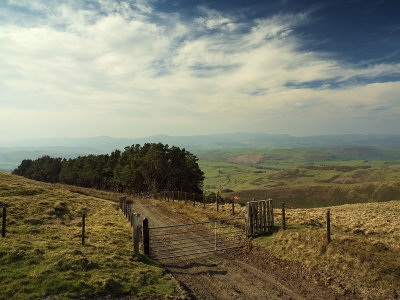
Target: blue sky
(138, 68)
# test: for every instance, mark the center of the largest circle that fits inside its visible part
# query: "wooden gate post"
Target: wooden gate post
(83, 229)
(3, 227)
(255, 217)
(131, 215)
(269, 215)
(272, 215)
(146, 237)
(283, 216)
(328, 225)
(264, 209)
(247, 220)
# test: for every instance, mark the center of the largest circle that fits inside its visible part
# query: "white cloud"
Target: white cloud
(110, 69)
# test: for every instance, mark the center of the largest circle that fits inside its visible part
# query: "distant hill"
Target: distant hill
(213, 141)
(12, 153)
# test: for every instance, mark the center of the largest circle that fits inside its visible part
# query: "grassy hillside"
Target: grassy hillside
(364, 254)
(241, 169)
(304, 185)
(42, 255)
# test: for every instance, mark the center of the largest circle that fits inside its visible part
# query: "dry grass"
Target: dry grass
(363, 257)
(42, 255)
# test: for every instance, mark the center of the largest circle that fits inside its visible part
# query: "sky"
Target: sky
(186, 67)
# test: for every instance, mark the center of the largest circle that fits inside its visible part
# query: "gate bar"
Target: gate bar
(196, 223)
(174, 256)
(195, 241)
(188, 231)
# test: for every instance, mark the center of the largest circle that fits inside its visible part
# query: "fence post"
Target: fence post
(233, 206)
(215, 229)
(264, 209)
(146, 237)
(83, 229)
(247, 219)
(328, 225)
(255, 217)
(283, 216)
(194, 200)
(185, 198)
(272, 215)
(3, 227)
(217, 200)
(204, 200)
(269, 215)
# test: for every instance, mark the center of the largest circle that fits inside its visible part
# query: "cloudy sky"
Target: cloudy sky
(186, 67)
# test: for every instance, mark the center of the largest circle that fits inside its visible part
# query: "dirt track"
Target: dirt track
(244, 273)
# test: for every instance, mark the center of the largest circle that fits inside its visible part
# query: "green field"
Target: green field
(307, 177)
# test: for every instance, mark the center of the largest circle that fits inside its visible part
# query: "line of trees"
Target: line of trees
(149, 168)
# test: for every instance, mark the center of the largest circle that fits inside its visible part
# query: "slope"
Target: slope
(42, 255)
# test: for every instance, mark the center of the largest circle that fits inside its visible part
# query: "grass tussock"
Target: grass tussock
(42, 255)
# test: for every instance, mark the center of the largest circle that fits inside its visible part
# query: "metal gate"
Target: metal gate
(195, 238)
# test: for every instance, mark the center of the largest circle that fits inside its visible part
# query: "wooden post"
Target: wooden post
(264, 208)
(233, 206)
(255, 216)
(260, 218)
(194, 200)
(146, 237)
(283, 216)
(3, 227)
(247, 220)
(328, 225)
(131, 215)
(204, 200)
(217, 200)
(272, 215)
(185, 198)
(269, 215)
(83, 229)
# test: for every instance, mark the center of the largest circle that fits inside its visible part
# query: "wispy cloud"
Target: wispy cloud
(124, 69)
